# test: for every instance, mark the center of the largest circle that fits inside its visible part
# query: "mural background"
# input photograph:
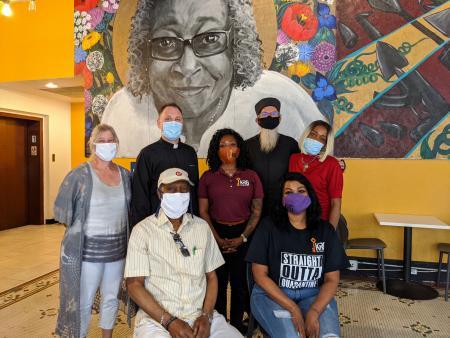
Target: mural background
(324, 49)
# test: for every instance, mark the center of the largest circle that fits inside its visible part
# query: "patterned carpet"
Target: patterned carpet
(30, 309)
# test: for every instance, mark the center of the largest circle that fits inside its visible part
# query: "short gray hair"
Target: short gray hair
(247, 61)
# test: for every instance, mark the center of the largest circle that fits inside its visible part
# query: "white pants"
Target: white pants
(107, 276)
(219, 329)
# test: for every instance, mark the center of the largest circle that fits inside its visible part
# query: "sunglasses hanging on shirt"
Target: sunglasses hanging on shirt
(184, 250)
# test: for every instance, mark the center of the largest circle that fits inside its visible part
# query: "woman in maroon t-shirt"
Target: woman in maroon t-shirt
(322, 170)
(230, 200)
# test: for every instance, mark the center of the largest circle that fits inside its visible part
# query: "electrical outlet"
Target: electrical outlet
(413, 271)
(353, 265)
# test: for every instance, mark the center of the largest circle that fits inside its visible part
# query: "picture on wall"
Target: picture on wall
(365, 66)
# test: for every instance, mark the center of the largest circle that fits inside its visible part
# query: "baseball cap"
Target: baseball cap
(173, 175)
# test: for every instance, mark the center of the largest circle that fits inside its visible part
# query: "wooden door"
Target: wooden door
(21, 184)
(13, 173)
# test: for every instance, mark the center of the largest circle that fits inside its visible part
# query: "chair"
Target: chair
(444, 248)
(252, 323)
(363, 243)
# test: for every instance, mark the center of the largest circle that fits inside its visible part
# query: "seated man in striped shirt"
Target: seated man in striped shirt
(170, 267)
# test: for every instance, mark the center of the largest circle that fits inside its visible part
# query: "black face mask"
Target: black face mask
(269, 122)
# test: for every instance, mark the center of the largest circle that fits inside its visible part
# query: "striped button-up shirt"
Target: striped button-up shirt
(177, 282)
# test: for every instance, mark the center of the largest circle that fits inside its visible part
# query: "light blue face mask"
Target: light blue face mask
(312, 147)
(172, 130)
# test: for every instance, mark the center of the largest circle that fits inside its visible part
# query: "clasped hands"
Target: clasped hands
(181, 329)
(229, 245)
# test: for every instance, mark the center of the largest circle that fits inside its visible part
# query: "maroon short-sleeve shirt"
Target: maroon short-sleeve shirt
(230, 198)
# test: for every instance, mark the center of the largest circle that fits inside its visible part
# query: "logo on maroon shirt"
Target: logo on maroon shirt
(242, 183)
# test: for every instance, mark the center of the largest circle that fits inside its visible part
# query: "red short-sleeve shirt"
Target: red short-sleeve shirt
(230, 198)
(326, 178)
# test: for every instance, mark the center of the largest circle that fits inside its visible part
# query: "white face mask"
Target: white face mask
(106, 151)
(175, 205)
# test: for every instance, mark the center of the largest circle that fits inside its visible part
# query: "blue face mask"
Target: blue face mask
(172, 130)
(312, 147)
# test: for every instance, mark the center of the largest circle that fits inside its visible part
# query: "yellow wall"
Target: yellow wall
(386, 186)
(37, 45)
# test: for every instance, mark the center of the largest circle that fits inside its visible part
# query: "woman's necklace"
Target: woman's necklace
(306, 165)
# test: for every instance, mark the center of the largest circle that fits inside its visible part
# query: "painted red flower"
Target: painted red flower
(85, 5)
(81, 68)
(299, 22)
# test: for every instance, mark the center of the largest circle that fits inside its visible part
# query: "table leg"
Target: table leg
(406, 288)
(407, 244)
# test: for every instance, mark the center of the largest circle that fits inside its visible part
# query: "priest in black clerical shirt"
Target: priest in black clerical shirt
(270, 151)
(168, 152)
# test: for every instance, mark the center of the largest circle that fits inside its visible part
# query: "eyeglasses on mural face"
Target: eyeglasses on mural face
(170, 48)
(184, 250)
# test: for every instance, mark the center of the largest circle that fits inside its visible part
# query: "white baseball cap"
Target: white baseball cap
(173, 175)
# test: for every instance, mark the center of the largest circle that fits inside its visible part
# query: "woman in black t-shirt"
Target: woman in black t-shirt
(296, 258)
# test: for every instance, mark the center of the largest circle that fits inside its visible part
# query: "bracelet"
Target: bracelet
(208, 315)
(166, 326)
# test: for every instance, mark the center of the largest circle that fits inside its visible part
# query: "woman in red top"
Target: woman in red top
(230, 200)
(322, 170)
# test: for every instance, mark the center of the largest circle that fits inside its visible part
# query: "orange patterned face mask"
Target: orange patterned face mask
(229, 154)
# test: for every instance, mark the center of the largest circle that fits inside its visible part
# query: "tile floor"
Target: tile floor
(29, 257)
(36, 247)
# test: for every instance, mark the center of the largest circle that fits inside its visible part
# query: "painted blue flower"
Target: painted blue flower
(325, 19)
(80, 55)
(323, 90)
(305, 51)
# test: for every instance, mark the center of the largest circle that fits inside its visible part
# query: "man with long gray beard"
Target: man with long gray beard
(270, 151)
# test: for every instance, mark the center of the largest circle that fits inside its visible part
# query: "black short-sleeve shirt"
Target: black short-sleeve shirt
(297, 258)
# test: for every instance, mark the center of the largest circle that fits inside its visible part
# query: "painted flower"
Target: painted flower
(85, 5)
(299, 22)
(323, 90)
(299, 69)
(110, 78)
(81, 69)
(90, 40)
(87, 100)
(282, 38)
(82, 25)
(324, 56)
(325, 18)
(98, 105)
(110, 6)
(95, 61)
(96, 16)
(287, 54)
(305, 52)
(107, 17)
(80, 55)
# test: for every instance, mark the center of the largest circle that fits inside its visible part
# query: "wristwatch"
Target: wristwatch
(244, 239)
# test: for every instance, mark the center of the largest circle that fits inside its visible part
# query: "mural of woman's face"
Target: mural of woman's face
(194, 83)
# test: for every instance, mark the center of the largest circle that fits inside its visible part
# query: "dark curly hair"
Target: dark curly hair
(313, 212)
(213, 159)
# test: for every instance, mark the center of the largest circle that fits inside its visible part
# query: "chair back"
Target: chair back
(342, 231)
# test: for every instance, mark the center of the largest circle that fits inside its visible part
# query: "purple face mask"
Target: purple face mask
(296, 203)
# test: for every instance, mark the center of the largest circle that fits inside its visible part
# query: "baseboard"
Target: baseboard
(367, 267)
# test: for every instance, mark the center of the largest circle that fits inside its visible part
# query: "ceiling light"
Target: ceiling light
(51, 85)
(32, 6)
(6, 8)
